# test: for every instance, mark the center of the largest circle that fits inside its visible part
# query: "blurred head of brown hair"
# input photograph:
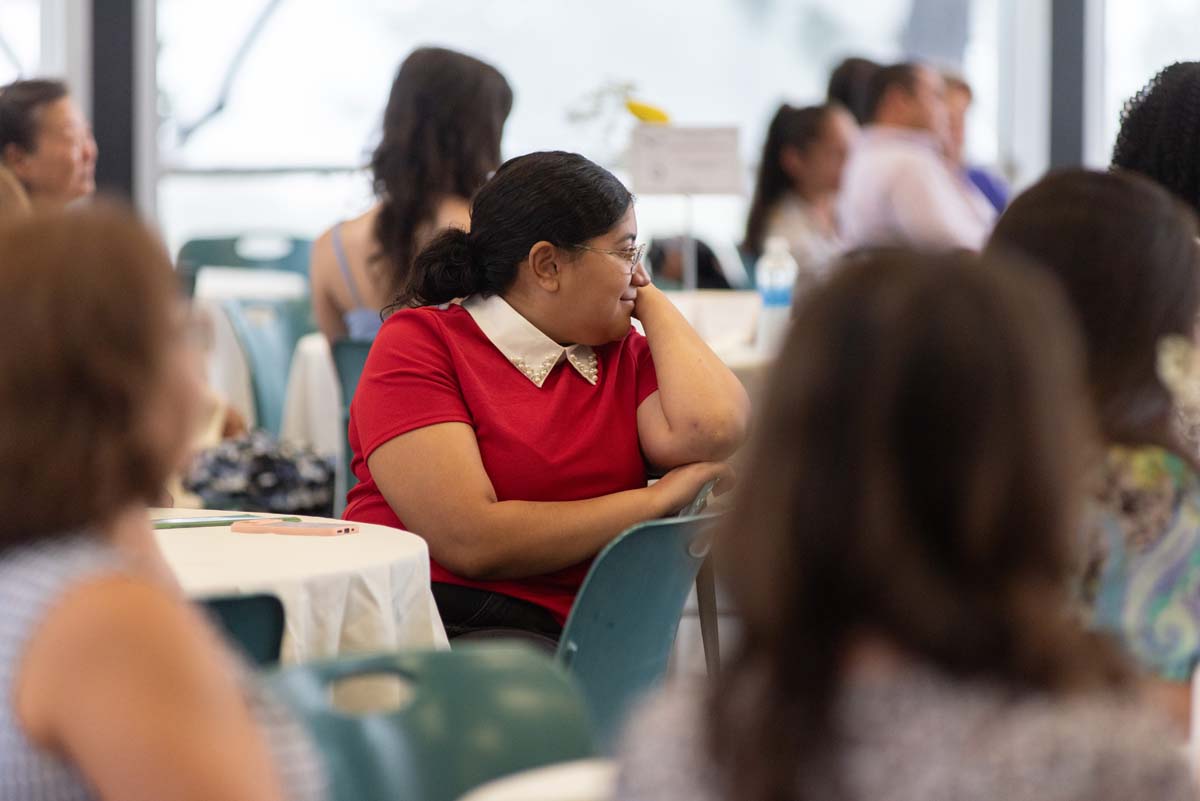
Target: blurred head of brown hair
(88, 315)
(914, 482)
(1125, 251)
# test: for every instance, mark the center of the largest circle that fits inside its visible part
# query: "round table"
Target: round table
(360, 593)
(583, 780)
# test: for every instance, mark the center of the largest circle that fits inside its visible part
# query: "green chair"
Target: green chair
(618, 638)
(475, 714)
(253, 622)
(267, 331)
(349, 356)
(232, 251)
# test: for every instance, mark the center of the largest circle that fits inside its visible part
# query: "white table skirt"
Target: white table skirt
(356, 594)
(725, 319)
(582, 780)
(228, 372)
(312, 409)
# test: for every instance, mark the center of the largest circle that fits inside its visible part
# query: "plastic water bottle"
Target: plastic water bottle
(775, 275)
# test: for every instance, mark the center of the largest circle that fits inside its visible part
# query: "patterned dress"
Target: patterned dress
(1141, 578)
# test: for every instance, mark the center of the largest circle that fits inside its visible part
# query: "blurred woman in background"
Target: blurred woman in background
(1126, 252)
(441, 141)
(900, 561)
(46, 142)
(112, 686)
(798, 179)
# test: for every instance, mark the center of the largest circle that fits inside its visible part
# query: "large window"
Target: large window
(1141, 37)
(271, 107)
(20, 39)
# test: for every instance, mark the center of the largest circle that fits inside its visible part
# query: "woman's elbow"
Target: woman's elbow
(469, 559)
(717, 436)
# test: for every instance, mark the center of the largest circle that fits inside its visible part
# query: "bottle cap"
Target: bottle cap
(777, 244)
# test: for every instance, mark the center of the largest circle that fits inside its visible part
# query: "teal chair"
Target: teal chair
(252, 622)
(267, 331)
(349, 356)
(618, 638)
(232, 251)
(475, 714)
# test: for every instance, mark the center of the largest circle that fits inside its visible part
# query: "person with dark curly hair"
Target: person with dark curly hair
(441, 140)
(1160, 131)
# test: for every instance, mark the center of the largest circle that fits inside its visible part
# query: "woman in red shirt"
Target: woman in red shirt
(513, 431)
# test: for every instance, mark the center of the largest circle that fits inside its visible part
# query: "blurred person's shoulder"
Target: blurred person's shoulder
(921, 735)
(925, 735)
(1093, 747)
(663, 753)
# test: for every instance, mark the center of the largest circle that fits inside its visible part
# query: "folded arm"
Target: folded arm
(435, 481)
(700, 411)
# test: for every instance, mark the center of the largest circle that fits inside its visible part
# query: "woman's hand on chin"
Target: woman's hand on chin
(645, 289)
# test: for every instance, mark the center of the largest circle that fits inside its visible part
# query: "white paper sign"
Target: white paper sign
(668, 160)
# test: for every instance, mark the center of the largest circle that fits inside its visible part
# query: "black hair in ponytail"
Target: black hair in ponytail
(556, 197)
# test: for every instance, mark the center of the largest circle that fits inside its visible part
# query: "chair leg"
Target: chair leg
(706, 603)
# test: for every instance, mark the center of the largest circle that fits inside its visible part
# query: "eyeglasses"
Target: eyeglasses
(631, 256)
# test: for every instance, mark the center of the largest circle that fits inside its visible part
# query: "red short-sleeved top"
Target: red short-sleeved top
(552, 423)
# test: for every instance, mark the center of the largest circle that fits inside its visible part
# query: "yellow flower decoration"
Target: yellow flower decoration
(647, 113)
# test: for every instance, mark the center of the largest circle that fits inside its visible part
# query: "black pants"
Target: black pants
(470, 611)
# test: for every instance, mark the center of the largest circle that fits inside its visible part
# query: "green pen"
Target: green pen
(213, 522)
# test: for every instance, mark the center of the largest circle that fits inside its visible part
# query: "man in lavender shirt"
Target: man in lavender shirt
(898, 187)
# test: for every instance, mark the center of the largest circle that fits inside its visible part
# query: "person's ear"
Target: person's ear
(544, 261)
(16, 158)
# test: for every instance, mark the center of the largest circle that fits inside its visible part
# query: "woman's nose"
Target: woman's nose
(640, 276)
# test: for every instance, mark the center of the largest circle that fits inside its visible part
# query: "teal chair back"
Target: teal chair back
(349, 356)
(267, 331)
(253, 622)
(475, 714)
(618, 638)
(231, 251)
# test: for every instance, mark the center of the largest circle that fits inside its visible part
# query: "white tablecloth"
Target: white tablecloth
(725, 319)
(312, 409)
(582, 780)
(361, 593)
(228, 373)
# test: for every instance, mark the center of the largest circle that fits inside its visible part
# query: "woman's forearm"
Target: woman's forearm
(525, 538)
(703, 402)
(434, 481)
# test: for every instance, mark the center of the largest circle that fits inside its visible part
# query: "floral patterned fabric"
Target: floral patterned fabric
(1141, 578)
(257, 473)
